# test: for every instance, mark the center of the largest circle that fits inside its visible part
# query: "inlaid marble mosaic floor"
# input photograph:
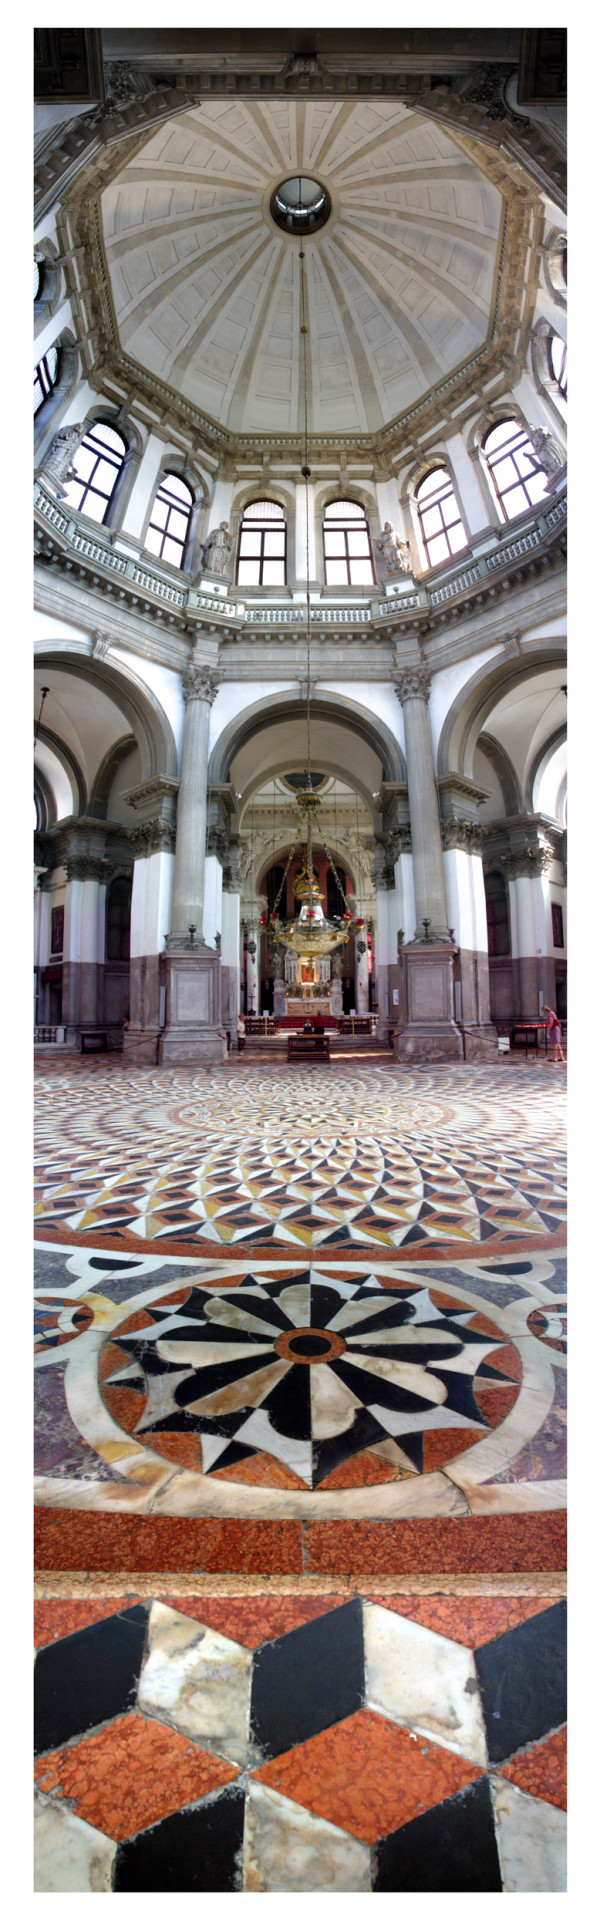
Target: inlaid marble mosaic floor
(310, 1323)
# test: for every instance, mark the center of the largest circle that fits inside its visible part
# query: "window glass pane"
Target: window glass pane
(83, 461)
(504, 474)
(248, 573)
(438, 550)
(335, 544)
(95, 506)
(250, 543)
(108, 438)
(178, 524)
(153, 540)
(263, 511)
(172, 552)
(358, 542)
(498, 436)
(344, 511)
(431, 485)
(537, 487)
(335, 572)
(104, 478)
(173, 485)
(525, 462)
(274, 542)
(360, 571)
(432, 521)
(273, 573)
(516, 501)
(456, 537)
(159, 514)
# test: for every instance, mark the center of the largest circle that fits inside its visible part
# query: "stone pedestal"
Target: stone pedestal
(480, 1041)
(193, 1031)
(427, 1031)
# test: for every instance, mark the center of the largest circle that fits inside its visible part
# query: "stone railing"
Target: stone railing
(156, 585)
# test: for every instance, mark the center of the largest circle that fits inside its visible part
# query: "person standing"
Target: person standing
(554, 1033)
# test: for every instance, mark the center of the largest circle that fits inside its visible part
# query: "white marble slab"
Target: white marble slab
(423, 1681)
(532, 1839)
(288, 1849)
(69, 1855)
(199, 1680)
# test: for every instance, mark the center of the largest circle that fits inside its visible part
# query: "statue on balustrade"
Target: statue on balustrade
(217, 549)
(547, 451)
(57, 462)
(394, 551)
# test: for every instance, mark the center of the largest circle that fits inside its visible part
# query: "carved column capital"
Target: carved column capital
(152, 837)
(200, 683)
(456, 833)
(527, 861)
(80, 867)
(413, 684)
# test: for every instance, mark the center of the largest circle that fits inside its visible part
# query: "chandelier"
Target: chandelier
(311, 933)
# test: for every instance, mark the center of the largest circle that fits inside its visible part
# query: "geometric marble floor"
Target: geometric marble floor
(304, 1327)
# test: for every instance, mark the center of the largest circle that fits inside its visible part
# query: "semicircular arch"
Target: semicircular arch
(476, 700)
(136, 701)
(338, 710)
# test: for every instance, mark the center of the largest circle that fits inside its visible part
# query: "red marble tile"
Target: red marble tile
(263, 1471)
(542, 1770)
(494, 1400)
(440, 1446)
(444, 1544)
(105, 1540)
(468, 1620)
(367, 1776)
(55, 1617)
(253, 1620)
(359, 1472)
(130, 1775)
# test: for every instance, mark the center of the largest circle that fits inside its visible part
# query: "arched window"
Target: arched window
(347, 545)
(518, 479)
(498, 914)
(45, 378)
(557, 362)
(118, 918)
(97, 463)
(441, 525)
(262, 546)
(169, 524)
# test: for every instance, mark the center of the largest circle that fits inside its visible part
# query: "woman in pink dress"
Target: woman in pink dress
(554, 1033)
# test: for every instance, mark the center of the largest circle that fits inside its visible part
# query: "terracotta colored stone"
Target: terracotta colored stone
(262, 1471)
(253, 1620)
(441, 1446)
(495, 1402)
(368, 1776)
(444, 1544)
(130, 1775)
(101, 1540)
(359, 1472)
(469, 1620)
(61, 1616)
(542, 1771)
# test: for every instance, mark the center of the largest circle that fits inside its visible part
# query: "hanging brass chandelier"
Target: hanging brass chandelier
(310, 934)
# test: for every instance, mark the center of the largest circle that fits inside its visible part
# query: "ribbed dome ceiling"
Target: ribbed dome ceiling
(400, 280)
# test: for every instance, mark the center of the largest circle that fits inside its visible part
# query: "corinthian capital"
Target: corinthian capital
(200, 683)
(413, 684)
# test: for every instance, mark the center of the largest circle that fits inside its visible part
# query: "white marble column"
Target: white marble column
(412, 689)
(200, 685)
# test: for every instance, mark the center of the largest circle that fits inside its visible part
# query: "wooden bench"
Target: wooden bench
(308, 1045)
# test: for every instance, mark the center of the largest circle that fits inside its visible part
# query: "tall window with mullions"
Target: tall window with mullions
(439, 515)
(97, 464)
(347, 545)
(169, 525)
(518, 479)
(262, 546)
(45, 377)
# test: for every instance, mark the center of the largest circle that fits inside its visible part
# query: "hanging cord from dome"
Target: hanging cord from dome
(306, 473)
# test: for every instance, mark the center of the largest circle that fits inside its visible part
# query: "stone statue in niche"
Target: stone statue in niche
(217, 549)
(394, 551)
(545, 448)
(57, 462)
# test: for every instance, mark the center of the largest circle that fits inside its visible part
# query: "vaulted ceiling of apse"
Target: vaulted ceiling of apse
(401, 276)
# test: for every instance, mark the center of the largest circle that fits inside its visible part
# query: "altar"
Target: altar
(306, 1008)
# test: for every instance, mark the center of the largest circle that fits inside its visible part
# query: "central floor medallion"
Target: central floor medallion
(317, 1383)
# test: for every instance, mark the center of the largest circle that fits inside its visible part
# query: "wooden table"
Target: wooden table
(308, 1045)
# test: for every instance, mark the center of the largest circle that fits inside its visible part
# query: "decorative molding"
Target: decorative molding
(413, 684)
(456, 833)
(200, 683)
(101, 642)
(152, 837)
(81, 867)
(527, 861)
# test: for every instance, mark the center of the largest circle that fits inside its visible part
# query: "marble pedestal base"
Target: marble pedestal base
(480, 1042)
(427, 1030)
(193, 1031)
(140, 1046)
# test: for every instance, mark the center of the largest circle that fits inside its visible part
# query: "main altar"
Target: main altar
(308, 989)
